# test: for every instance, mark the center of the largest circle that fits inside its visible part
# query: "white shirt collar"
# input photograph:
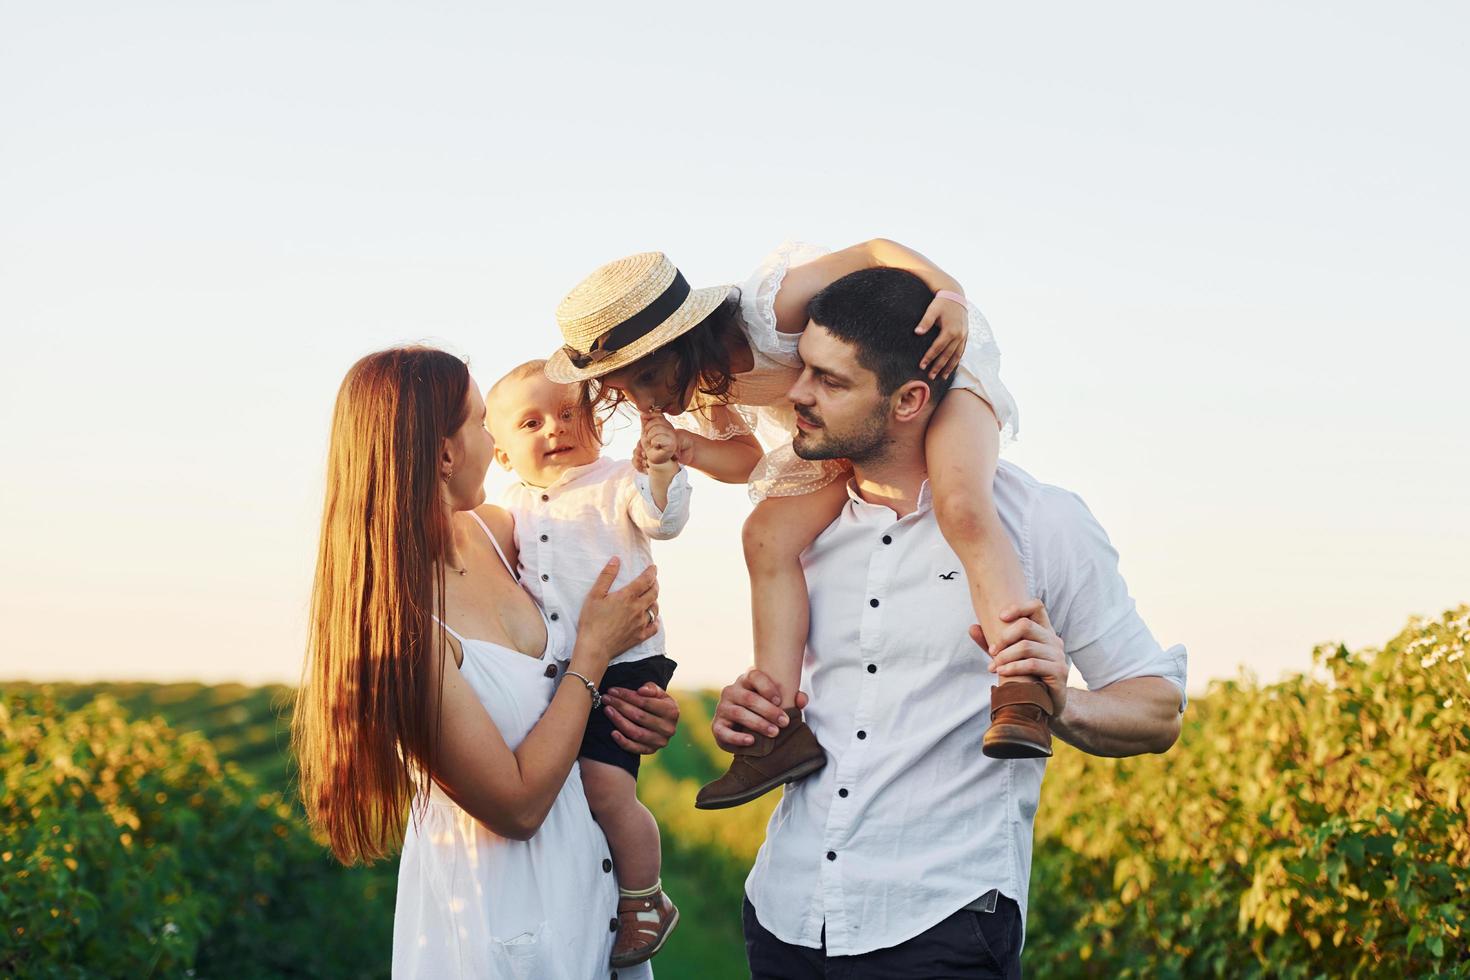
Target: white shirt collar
(568, 475)
(925, 502)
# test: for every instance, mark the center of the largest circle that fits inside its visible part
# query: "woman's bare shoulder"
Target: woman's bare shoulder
(498, 519)
(502, 524)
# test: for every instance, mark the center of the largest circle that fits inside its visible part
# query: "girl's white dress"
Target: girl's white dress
(757, 399)
(474, 904)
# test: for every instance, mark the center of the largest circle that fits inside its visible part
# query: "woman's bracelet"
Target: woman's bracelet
(952, 296)
(591, 689)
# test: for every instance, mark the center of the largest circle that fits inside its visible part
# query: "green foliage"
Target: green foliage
(128, 849)
(703, 871)
(1311, 828)
(1315, 827)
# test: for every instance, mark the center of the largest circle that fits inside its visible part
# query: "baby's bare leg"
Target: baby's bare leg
(962, 448)
(776, 533)
(631, 831)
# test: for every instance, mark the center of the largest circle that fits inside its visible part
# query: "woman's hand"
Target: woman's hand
(611, 622)
(944, 354)
(643, 720)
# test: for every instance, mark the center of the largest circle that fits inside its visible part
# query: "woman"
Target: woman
(431, 708)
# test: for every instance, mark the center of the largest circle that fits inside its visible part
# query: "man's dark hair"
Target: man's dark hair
(876, 310)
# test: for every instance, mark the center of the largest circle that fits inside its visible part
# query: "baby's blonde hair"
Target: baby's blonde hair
(582, 399)
(516, 373)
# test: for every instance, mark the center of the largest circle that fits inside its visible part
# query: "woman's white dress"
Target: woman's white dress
(474, 904)
(757, 399)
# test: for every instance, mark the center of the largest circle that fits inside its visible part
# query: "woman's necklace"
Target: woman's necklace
(462, 569)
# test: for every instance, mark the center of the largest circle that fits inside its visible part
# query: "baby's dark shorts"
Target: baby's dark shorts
(597, 741)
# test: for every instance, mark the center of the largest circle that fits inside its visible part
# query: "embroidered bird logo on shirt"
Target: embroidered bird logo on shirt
(949, 575)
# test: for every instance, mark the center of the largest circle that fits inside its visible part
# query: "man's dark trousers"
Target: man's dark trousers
(966, 945)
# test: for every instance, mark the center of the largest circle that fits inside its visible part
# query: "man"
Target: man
(909, 854)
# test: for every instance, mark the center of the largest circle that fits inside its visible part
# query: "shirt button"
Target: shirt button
(873, 603)
(842, 793)
(887, 539)
(612, 925)
(606, 865)
(551, 670)
(543, 537)
(545, 577)
(545, 497)
(831, 855)
(872, 668)
(862, 734)
(554, 617)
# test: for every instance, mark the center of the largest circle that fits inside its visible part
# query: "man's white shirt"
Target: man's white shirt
(565, 534)
(909, 821)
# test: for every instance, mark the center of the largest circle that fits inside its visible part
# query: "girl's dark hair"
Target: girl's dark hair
(700, 355)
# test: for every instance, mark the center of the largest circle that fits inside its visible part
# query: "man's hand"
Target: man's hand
(751, 704)
(643, 720)
(1029, 647)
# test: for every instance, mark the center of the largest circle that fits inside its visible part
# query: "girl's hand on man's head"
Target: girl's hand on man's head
(953, 319)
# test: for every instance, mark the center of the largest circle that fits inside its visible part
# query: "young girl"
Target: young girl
(721, 362)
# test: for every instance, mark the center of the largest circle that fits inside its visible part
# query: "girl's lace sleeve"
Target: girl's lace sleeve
(979, 371)
(758, 301)
(713, 420)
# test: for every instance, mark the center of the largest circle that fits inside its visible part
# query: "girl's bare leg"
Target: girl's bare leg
(962, 447)
(775, 535)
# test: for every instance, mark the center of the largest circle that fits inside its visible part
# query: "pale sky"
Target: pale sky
(1224, 252)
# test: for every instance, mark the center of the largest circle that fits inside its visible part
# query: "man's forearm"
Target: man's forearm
(1130, 717)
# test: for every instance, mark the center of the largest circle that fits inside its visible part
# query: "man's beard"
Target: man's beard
(866, 439)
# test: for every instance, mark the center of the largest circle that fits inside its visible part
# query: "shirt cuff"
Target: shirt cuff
(1129, 650)
(671, 519)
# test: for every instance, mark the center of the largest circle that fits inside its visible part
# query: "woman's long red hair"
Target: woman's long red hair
(361, 730)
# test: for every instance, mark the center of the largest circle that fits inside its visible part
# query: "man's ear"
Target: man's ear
(910, 401)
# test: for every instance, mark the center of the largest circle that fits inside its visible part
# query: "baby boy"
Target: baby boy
(573, 511)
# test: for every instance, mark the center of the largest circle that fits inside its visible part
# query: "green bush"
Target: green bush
(127, 849)
(1311, 828)
(1315, 827)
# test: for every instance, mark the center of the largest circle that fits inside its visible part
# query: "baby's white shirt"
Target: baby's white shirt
(565, 534)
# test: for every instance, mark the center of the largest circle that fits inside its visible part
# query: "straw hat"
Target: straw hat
(624, 310)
